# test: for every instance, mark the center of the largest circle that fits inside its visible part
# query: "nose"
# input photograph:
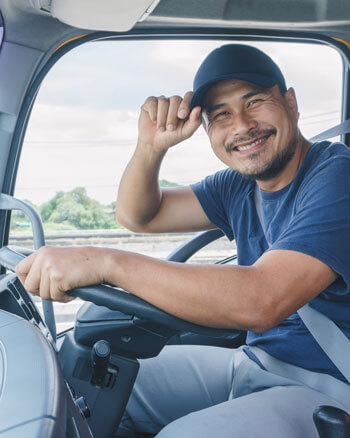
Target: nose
(242, 123)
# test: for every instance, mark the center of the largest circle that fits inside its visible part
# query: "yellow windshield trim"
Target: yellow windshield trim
(343, 42)
(70, 40)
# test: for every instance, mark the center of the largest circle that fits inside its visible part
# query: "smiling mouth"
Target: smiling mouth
(251, 146)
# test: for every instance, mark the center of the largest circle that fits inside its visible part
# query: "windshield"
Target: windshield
(83, 131)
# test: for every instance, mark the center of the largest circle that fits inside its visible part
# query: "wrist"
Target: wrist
(150, 151)
(112, 266)
(98, 259)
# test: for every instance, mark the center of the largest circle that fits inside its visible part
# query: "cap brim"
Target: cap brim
(259, 80)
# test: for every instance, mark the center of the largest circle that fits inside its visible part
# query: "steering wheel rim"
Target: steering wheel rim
(117, 299)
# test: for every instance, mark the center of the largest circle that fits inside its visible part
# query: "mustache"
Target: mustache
(252, 135)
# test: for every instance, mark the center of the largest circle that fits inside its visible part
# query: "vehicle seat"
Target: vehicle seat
(45, 407)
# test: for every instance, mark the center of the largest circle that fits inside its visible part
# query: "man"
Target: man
(250, 116)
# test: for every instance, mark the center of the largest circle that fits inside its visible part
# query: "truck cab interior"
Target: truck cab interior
(76, 383)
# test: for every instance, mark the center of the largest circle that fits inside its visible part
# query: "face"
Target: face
(253, 130)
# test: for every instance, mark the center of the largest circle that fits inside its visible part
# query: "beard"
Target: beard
(274, 166)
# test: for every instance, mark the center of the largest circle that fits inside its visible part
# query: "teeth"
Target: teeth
(251, 145)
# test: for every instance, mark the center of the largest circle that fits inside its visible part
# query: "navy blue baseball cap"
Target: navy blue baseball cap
(236, 61)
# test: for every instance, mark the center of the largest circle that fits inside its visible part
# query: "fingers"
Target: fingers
(44, 286)
(162, 112)
(165, 112)
(193, 122)
(51, 272)
(32, 282)
(29, 273)
(172, 117)
(151, 106)
(56, 289)
(39, 276)
(24, 266)
(184, 107)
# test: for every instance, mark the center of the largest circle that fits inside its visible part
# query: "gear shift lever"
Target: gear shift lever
(331, 422)
(100, 355)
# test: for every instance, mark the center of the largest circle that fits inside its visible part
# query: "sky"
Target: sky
(83, 128)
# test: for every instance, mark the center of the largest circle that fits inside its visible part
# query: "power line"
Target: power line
(327, 113)
(78, 144)
(111, 143)
(67, 187)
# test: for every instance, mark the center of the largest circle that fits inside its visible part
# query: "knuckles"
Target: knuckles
(188, 95)
(58, 296)
(45, 263)
(153, 100)
(163, 99)
(20, 270)
(56, 276)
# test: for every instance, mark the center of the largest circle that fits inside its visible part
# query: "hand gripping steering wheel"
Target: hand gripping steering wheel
(117, 299)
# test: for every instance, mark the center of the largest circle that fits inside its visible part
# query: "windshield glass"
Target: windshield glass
(83, 131)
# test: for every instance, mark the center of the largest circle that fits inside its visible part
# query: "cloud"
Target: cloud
(83, 128)
(121, 74)
(57, 124)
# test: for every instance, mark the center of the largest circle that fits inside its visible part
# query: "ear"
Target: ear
(291, 100)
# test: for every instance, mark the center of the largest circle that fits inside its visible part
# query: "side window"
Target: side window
(83, 131)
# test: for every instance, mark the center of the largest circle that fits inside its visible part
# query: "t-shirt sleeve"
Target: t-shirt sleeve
(210, 193)
(320, 226)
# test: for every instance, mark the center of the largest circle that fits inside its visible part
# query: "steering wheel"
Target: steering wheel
(118, 299)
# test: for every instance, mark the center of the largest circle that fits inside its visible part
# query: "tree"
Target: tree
(49, 207)
(77, 209)
(166, 183)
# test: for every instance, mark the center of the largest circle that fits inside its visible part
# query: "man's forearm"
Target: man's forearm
(206, 295)
(139, 195)
(256, 297)
(163, 123)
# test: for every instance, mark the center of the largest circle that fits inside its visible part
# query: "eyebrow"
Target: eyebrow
(246, 96)
(252, 93)
(213, 108)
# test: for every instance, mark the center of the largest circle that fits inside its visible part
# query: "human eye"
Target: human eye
(219, 115)
(253, 102)
(214, 116)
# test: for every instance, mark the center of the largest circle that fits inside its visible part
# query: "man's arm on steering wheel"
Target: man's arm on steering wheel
(255, 297)
(142, 205)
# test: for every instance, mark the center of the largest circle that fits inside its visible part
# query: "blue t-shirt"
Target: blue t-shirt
(310, 215)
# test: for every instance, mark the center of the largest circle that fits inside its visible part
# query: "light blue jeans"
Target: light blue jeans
(211, 392)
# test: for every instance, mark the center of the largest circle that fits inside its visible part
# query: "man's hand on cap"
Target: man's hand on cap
(165, 121)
